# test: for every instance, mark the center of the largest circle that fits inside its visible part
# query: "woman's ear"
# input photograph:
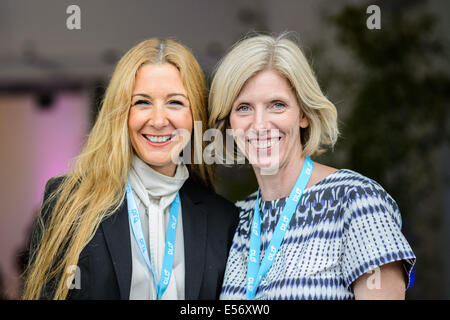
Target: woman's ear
(304, 122)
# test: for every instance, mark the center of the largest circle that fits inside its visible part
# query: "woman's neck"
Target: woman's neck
(280, 184)
(167, 170)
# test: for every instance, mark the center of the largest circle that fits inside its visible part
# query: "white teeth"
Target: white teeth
(158, 139)
(261, 144)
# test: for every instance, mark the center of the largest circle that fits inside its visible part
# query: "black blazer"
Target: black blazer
(105, 264)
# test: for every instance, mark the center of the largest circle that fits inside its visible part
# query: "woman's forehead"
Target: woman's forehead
(268, 84)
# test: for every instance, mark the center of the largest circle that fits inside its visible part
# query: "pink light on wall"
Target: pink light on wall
(58, 137)
(35, 146)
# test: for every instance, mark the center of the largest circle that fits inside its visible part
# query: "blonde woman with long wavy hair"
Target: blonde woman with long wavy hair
(310, 231)
(129, 222)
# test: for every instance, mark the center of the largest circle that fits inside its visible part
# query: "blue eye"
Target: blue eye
(279, 105)
(242, 108)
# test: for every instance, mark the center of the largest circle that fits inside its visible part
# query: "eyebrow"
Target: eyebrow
(272, 99)
(168, 96)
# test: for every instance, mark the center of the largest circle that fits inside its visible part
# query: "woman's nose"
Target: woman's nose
(158, 116)
(260, 120)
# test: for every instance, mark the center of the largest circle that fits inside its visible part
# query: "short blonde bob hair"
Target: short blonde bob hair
(262, 52)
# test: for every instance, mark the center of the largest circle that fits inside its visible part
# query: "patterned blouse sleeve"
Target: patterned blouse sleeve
(372, 234)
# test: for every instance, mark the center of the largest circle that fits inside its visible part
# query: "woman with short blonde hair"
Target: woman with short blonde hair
(255, 54)
(310, 231)
(88, 220)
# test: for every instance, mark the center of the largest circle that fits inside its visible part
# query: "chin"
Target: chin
(267, 166)
(153, 159)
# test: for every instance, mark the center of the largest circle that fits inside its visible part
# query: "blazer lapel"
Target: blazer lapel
(194, 232)
(117, 234)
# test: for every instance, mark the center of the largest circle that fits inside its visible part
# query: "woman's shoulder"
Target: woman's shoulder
(49, 201)
(362, 196)
(245, 206)
(343, 185)
(358, 185)
(347, 181)
(342, 178)
(53, 184)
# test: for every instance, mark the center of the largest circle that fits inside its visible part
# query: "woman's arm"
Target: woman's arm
(384, 283)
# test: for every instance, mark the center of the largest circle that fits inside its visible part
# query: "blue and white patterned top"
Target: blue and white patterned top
(344, 226)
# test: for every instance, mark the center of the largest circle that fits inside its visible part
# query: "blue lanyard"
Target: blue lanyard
(254, 272)
(135, 222)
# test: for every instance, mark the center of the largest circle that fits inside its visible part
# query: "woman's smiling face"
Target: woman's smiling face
(160, 118)
(266, 120)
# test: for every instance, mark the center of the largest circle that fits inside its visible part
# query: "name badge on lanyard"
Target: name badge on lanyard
(169, 251)
(255, 273)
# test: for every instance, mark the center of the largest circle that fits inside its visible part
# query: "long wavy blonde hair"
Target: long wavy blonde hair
(94, 189)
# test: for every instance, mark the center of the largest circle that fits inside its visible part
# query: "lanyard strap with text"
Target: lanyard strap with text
(135, 222)
(254, 272)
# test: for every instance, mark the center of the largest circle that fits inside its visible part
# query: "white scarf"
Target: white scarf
(154, 193)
